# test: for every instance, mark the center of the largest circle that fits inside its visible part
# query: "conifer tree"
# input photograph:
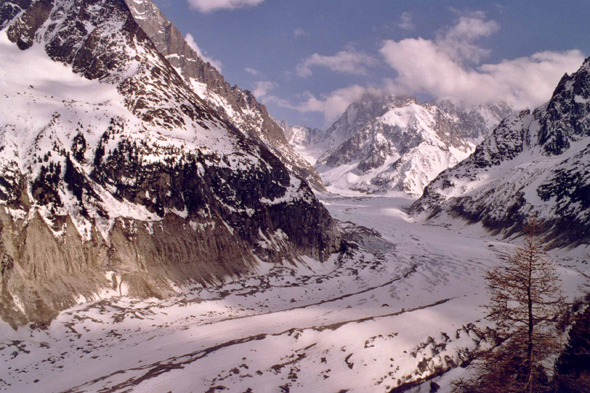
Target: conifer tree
(526, 302)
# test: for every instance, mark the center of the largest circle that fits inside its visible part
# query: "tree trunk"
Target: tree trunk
(531, 325)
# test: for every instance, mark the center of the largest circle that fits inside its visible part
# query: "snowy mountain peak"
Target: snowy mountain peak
(236, 106)
(566, 117)
(533, 163)
(392, 143)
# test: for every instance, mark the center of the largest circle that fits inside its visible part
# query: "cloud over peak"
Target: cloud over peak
(346, 62)
(450, 67)
(190, 40)
(262, 88)
(331, 105)
(207, 6)
(454, 64)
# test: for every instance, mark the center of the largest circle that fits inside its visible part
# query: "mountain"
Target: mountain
(308, 142)
(389, 143)
(534, 163)
(357, 116)
(477, 122)
(237, 106)
(117, 178)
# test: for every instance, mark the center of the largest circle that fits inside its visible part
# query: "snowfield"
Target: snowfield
(402, 303)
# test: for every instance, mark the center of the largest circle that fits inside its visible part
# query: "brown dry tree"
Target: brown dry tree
(526, 302)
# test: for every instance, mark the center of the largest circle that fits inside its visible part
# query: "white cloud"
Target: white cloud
(252, 71)
(450, 67)
(207, 6)
(458, 41)
(331, 105)
(262, 88)
(299, 32)
(346, 61)
(278, 101)
(406, 21)
(190, 40)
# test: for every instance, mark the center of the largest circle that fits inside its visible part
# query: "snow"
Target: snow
(362, 323)
(523, 168)
(389, 145)
(405, 297)
(42, 114)
(409, 173)
(305, 142)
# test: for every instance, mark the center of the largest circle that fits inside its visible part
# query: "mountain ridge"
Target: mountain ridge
(237, 106)
(385, 144)
(532, 164)
(117, 178)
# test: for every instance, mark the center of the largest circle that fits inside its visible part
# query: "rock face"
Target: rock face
(238, 107)
(391, 143)
(116, 176)
(475, 123)
(534, 163)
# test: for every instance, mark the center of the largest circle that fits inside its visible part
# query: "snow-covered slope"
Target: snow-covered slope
(400, 305)
(115, 176)
(238, 107)
(383, 144)
(308, 142)
(533, 163)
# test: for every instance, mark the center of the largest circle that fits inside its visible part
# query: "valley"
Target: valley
(400, 304)
(162, 231)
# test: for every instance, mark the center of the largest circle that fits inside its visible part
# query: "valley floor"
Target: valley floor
(400, 305)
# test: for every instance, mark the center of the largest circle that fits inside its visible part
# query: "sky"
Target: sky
(307, 60)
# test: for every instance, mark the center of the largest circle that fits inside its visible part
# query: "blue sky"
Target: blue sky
(308, 59)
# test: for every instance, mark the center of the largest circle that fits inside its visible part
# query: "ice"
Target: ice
(404, 298)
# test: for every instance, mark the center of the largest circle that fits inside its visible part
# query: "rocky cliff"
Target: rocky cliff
(534, 163)
(116, 177)
(238, 107)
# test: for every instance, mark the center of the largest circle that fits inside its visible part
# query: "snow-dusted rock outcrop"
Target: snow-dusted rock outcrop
(116, 176)
(308, 142)
(239, 107)
(534, 163)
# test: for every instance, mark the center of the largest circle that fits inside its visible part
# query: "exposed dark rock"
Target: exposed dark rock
(22, 32)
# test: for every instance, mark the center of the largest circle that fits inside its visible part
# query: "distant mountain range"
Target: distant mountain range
(388, 143)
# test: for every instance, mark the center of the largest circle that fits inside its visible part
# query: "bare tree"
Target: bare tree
(526, 302)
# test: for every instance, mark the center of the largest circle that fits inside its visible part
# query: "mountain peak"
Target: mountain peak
(110, 162)
(566, 115)
(236, 106)
(533, 163)
(394, 143)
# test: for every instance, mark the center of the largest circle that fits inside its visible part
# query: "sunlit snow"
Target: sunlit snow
(403, 301)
